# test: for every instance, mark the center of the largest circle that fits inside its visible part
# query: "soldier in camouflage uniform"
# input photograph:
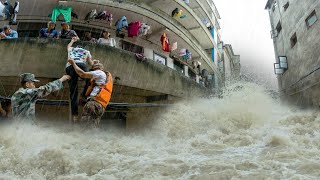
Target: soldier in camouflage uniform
(92, 113)
(24, 100)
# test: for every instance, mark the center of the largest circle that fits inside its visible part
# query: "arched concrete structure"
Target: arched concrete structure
(138, 80)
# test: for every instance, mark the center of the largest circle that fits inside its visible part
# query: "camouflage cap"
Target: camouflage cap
(98, 65)
(25, 77)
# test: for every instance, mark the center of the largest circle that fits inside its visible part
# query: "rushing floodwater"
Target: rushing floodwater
(245, 135)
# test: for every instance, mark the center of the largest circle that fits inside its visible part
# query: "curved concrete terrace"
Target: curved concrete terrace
(210, 4)
(165, 20)
(46, 58)
(209, 8)
(199, 7)
(133, 10)
(192, 22)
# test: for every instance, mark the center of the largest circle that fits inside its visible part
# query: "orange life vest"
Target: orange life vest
(104, 96)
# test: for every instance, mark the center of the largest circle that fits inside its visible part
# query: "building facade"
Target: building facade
(230, 64)
(295, 32)
(194, 28)
(180, 48)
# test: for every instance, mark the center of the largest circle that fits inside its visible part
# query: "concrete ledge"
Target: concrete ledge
(155, 15)
(204, 28)
(47, 58)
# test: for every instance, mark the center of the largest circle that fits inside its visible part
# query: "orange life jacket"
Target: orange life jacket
(104, 96)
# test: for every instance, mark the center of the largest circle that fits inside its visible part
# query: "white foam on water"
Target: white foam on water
(244, 135)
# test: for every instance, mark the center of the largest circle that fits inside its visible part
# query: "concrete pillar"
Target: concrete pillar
(170, 62)
(58, 26)
(216, 60)
(148, 53)
(118, 41)
(197, 79)
(216, 81)
(186, 69)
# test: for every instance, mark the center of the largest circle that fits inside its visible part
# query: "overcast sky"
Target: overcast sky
(246, 26)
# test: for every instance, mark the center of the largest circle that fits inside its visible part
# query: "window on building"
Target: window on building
(279, 27)
(178, 66)
(293, 40)
(221, 67)
(191, 74)
(311, 19)
(283, 62)
(131, 47)
(274, 6)
(159, 58)
(285, 7)
(277, 69)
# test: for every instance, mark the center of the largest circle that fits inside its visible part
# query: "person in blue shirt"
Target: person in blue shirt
(8, 33)
(49, 32)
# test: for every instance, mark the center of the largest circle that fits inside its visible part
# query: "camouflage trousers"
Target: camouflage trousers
(92, 113)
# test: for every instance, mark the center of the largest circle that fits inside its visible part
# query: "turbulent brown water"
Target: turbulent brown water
(245, 135)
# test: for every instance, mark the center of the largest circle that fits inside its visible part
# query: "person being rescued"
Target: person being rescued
(82, 57)
(98, 93)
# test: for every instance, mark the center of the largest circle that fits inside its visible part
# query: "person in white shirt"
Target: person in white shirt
(99, 78)
(106, 39)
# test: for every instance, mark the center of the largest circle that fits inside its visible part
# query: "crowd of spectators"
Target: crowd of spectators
(65, 33)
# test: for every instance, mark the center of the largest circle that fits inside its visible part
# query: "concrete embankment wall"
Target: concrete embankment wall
(139, 81)
(47, 59)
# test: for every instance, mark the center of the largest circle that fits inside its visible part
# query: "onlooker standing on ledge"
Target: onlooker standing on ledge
(8, 33)
(88, 37)
(106, 39)
(49, 32)
(66, 32)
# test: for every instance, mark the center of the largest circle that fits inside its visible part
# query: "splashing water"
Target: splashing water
(244, 135)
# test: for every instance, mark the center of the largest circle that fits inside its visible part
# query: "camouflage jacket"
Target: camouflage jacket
(24, 100)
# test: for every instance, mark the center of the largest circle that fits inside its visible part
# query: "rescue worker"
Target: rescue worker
(98, 93)
(23, 101)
